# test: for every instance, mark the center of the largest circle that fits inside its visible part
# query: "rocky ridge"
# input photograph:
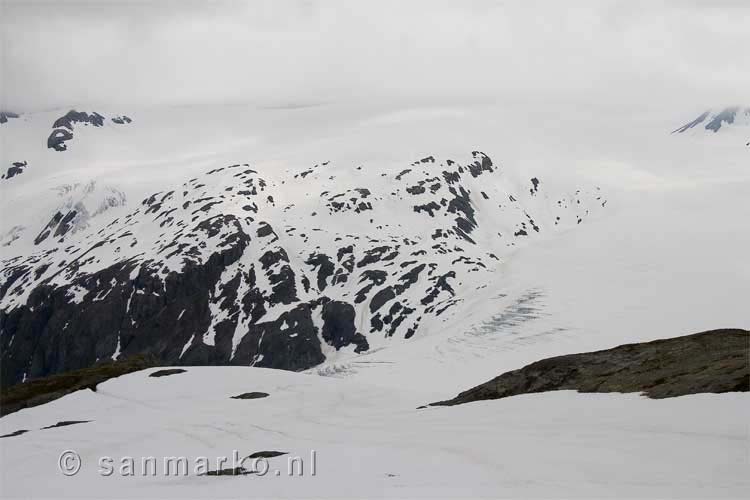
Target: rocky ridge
(715, 361)
(236, 267)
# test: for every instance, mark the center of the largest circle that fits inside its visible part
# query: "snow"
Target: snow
(371, 441)
(667, 256)
(116, 355)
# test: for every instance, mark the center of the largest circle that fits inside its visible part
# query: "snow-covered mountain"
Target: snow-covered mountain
(319, 240)
(239, 264)
(715, 120)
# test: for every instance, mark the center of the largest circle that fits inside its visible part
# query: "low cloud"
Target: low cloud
(297, 53)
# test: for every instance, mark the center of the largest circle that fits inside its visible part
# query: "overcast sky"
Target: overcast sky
(287, 53)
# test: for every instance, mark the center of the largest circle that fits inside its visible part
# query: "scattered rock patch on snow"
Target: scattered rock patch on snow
(251, 395)
(167, 372)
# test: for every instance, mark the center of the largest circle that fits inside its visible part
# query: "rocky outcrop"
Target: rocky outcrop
(715, 361)
(57, 139)
(16, 169)
(46, 389)
(129, 308)
(212, 272)
(338, 326)
(714, 120)
(63, 127)
(167, 372)
(251, 395)
(7, 115)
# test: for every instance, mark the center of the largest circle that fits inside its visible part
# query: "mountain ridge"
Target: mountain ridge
(277, 271)
(713, 120)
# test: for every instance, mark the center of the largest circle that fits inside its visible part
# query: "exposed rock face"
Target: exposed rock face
(46, 389)
(714, 361)
(167, 372)
(713, 121)
(57, 139)
(217, 270)
(251, 395)
(63, 127)
(65, 423)
(72, 117)
(7, 115)
(15, 433)
(17, 169)
(338, 326)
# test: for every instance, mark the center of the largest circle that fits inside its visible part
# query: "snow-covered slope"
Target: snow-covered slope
(665, 256)
(278, 267)
(352, 439)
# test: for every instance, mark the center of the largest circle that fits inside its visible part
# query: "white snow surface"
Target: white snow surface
(370, 441)
(667, 256)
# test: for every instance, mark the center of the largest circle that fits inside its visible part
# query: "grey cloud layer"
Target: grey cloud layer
(273, 53)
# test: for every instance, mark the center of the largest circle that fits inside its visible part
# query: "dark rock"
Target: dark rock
(325, 267)
(381, 298)
(461, 206)
(402, 173)
(715, 361)
(72, 117)
(167, 372)
(441, 285)
(451, 177)
(43, 390)
(267, 454)
(251, 395)
(281, 276)
(57, 138)
(339, 329)
(375, 277)
(343, 251)
(265, 230)
(5, 115)
(295, 347)
(43, 344)
(534, 186)
(692, 124)
(52, 224)
(14, 433)
(373, 255)
(65, 423)
(63, 127)
(17, 169)
(483, 164)
(66, 223)
(430, 208)
(725, 116)
(232, 471)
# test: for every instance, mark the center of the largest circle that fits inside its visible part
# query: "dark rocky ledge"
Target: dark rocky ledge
(43, 390)
(251, 395)
(167, 372)
(715, 361)
(5, 115)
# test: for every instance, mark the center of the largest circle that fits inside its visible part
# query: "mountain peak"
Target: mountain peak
(713, 120)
